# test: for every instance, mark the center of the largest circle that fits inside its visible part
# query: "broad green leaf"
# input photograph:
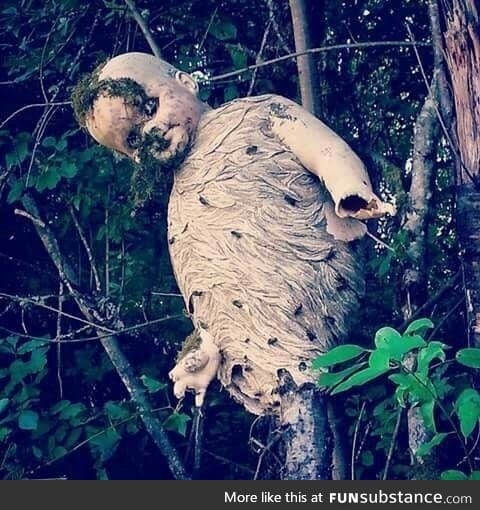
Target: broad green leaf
(37, 453)
(4, 433)
(426, 448)
(434, 350)
(230, 92)
(71, 411)
(152, 384)
(469, 357)
(49, 141)
(103, 445)
(59, 406)
(467, 408)
(453, 474)
(223, 30)
(3, 404)
(359, 379)
(68, 169)
(48, 179)
(177, 422)
(419, 327)
(337, 355)
(475, 475)
(38, 360)
(409, 387)
(73, 437)
(16, 190)
(116, 411)
(385, 336)
(328, 380)
(428, 415)
(379, 360)
(367, 458)
(28, 420)
(390, 340)
(31, 345)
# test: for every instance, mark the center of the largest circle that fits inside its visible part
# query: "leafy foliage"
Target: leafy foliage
(408, 359)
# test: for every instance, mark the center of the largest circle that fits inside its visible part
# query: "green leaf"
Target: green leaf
(3, 404)
(28, 420)
(103, 445)
(59, 406)
(230, 92)
(16, 190)
(434, 350)
(71, 411)
(428, 415)
(31, 345)
(426, 448)
(38, 360)
(223, 30)
(419, 327)
(396, 345)
(379, 360)
(116, 411)
(4, 433)
(337, 355)
(367, 458)
(48, 179)
(49, 141)
(328, 380)
(469, 357)
(467, 408)
(453, 474)
(68, 169)
(37, 453)
(359, 379)
(177, 422)
(475, 475)
(152, 384)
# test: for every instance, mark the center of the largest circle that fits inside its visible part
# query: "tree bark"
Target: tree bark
(462, 49)
(427, 134)
(308, 78)
(308, 439)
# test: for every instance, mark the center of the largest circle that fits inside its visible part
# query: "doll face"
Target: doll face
(156, 118)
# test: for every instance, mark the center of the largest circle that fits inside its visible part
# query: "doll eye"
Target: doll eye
(134, 139)
(150, 107)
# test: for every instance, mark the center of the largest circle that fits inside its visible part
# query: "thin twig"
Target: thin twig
(393, 442)
(90, 257)
(355, 435)
(59, 334)
(379, 241)
(258, 58)
(370, 44)
(204, 37)
(144, 28)
(34, 105)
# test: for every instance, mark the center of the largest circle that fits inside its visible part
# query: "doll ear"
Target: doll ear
(187, 81)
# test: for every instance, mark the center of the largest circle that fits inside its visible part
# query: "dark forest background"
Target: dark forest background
(64, 411)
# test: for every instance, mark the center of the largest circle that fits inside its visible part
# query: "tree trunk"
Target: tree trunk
(462, 49)
(427, 134)
(307, 71)
(308, 440)
(310, 452)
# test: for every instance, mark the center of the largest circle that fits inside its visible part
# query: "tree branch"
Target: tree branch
(307, 71)
(124, 369)
(360, 45)
(144, 28)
